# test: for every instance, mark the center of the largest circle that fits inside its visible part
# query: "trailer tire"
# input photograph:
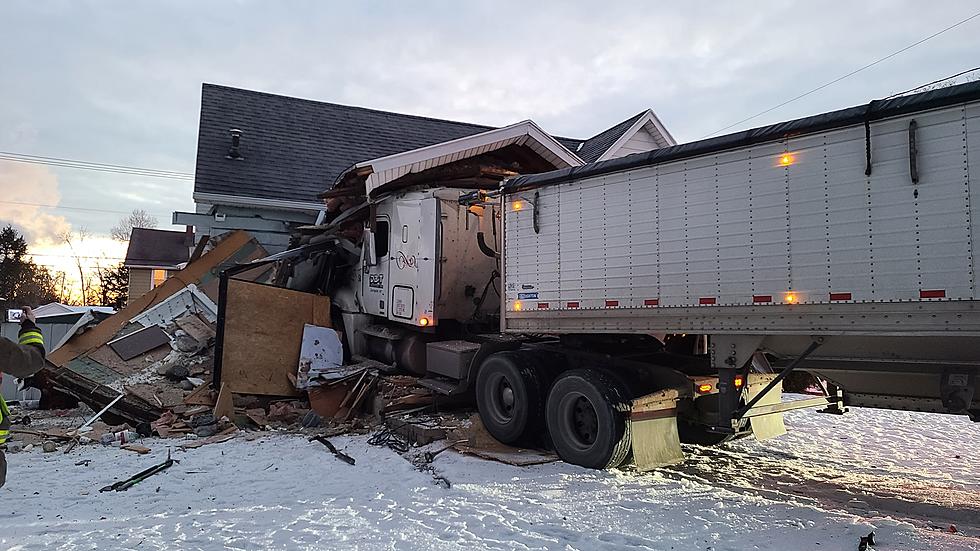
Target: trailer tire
(510, 397)
(588, 419)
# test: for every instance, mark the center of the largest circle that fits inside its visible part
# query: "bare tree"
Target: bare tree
(85, 282)
(139, 218)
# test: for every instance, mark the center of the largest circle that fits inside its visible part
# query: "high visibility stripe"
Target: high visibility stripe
(4, 413)
(31, 337)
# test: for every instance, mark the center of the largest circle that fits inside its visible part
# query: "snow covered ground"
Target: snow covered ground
(830, 481)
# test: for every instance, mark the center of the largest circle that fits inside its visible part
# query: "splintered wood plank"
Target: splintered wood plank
(263, 333)
(224, 406)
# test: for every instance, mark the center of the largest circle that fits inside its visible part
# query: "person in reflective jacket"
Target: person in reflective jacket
(21, 359)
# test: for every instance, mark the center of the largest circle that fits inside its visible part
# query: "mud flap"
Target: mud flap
(653, 423)
(765, 426)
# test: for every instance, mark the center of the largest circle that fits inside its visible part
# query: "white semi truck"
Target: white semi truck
(616, 309)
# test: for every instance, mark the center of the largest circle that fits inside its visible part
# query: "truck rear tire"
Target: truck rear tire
(588, 419)
(510, 396)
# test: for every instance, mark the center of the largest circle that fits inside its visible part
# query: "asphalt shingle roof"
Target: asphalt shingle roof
(594, 147)
(149, 247)
(295, 148)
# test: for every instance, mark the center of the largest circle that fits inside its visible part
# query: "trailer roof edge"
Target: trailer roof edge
(876, 110)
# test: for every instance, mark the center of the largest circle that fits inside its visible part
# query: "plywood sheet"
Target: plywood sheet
(263, 332)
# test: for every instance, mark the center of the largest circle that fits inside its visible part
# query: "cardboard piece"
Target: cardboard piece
(263, 331)
(142, 450)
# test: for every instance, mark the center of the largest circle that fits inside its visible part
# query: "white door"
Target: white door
(414, 261)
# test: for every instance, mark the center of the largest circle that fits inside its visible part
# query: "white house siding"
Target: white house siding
(643, 140)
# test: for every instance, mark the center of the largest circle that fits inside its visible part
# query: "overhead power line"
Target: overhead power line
(944, 79)
(64, 207)
(852, 73)
(99, 167)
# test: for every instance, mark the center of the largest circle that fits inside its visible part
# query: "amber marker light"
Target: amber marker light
(704, 388)
(518, 205)
(739, 381)
(786, 159)
(424, 322)
(791, 298)
(518, 306)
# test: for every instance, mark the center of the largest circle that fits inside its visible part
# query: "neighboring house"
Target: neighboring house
(153, 255)
(263, 160)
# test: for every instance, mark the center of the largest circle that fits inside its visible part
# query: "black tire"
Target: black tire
(510, 396)
(588, 419)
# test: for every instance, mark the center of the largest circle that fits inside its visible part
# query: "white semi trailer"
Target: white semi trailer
(662, 297)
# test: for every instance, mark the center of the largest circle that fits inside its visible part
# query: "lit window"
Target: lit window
(159, 276)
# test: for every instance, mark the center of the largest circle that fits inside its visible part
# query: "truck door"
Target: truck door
(375, 282)
(414, 261)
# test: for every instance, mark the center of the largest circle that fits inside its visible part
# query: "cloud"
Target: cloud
(22, 188)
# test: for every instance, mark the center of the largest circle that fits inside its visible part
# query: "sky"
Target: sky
(119, 81)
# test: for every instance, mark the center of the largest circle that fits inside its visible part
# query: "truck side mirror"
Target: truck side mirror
(368, 254)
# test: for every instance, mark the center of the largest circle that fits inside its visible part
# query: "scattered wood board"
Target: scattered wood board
(193, 325)
(235, 247)
(142, 450)
(224, 406)
(511, 456)
(263, 330)
(478, 442)
(222, 436)
(200, 397)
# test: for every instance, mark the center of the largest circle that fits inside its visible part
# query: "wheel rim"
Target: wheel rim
(503, 400)
(581, 420)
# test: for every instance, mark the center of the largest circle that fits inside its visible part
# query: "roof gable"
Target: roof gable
(526, 133)
(605, 144)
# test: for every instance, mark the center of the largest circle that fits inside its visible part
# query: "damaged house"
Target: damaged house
(364, 215)
(263, 160)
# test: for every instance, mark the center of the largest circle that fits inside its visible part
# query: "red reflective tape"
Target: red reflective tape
(706, 300)
(651, 302)
(840, 296)
(612, 303)
(761, 298)
(933, 293)
(572, 305)
(544, 305)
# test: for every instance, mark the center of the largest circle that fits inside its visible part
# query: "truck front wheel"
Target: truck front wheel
(588, 419)
(510, 394)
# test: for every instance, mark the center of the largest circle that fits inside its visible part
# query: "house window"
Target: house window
(159, 276)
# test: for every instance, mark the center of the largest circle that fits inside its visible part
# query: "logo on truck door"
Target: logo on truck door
(376, 281)
(405, 262)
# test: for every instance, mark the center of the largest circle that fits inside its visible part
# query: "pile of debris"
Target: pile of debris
(174, 364)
